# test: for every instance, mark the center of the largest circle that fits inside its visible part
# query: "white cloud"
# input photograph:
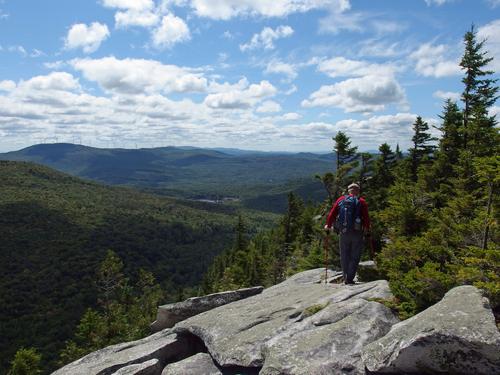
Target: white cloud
(339, 19)
(444, 95)
(36, 53)
(128, 18)
(292, 90)
(342, 67)
(7, 85)
(491, 32)
(291, 116)
(216, 87)
(280, 67)
(265, 39)
(171, 31)
(435, 61)
(19, 49)
(137, 5)
(366, 94)
(55, 64)
(57, 81)
(494, 3)
(494, 111)
(269, 106)
(371, 132)
(89, 38)
(134, 76)
(226, 9)
(241, 99)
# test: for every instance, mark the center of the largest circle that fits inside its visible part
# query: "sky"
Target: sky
(271, 75)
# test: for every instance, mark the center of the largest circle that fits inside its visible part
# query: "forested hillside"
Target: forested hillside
(434, 209)
(260, 180)
(56, 229)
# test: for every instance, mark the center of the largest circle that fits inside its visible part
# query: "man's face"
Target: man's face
(354, 191)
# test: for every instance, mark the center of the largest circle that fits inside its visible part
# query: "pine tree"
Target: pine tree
(479, 94)
(343, 150)
(421, 145)
(26, 362)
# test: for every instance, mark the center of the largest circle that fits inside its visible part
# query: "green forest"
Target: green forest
(55, 231)
(434, 211)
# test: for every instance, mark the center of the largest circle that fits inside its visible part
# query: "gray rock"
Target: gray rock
(199, 364)
(368, 271)
(458, 335)
(169, 315)
(164, 346)
(329, 342)
(151, 367)
(238, 334)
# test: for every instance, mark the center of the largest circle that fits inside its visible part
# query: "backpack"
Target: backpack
(349, 217)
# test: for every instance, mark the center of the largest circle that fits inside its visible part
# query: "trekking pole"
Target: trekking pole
(325, 245)
(372, 247)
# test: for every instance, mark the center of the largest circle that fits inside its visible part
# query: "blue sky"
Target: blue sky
(281, 75)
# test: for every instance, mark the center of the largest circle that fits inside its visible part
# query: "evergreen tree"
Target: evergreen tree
(26, 362)
(343, 150)
(383, 175)
(364, 169)
(479, 94)
(421, 145)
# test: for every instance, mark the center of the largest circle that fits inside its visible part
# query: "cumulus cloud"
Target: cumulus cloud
(7, 85)
(445, 95)
(136, 5)
(379, 129)
(128, 18)
(226, 9)
(280, 67)
(89, 38)
(342, 67)
(171, 31)
(366, 94)
(269, 106)
(57, 81)
(133, 12)
(491, 32)
(435, 61)
(265, 39)
(134, 76)
(241, 99)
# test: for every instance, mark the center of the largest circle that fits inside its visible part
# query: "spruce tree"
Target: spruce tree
(421, 145)
(26, 362)
(479, 94)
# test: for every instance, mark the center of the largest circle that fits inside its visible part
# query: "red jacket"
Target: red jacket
(365, 218)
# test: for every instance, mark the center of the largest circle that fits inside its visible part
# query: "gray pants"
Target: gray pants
(351, 247)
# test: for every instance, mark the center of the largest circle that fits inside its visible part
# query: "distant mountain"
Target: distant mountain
(55, 229)
(187, 172)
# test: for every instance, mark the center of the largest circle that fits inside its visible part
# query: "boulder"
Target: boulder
(330, 341)
(151, 367)
(169, 315)
(458, 335)
(163, 346)
(244, 332)
(199, 364)
(368, 271)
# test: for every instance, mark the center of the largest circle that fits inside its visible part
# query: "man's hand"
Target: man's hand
(327, 229)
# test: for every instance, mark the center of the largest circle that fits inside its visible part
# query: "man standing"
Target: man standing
(350, 214)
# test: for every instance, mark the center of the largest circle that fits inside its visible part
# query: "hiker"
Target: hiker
(350, 215)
